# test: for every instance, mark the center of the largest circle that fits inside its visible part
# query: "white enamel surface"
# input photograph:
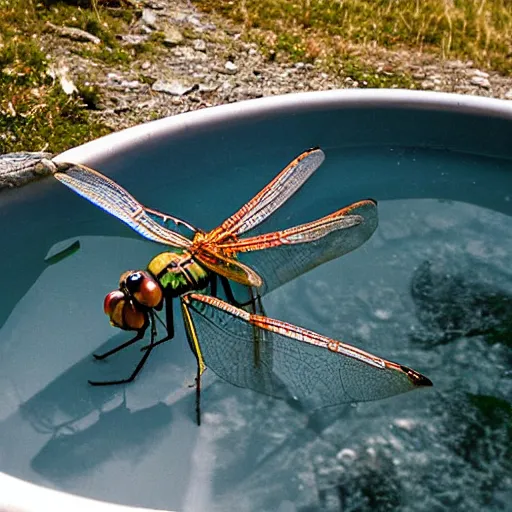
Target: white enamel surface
(20, 496)
(118, 141)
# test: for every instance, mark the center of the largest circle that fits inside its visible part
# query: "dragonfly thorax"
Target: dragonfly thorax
(178, 273)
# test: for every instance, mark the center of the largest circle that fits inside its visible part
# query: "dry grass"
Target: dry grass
(480, 30)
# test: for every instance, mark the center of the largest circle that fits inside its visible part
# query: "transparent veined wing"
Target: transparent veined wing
(270, 198)
(282, 256)
(228, 267)
(294, 361)
(114, 199)
(172, 223)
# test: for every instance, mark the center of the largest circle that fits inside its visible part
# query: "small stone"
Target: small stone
(199, 45)
(73, 33)
(174, 88)
(477, 72)
(208, 88)
(252, 51)
(299, 65)
(146, 64)
(230, 68)
(428, 85)
(133, 39)
(114, 77)
(132, 84)
(455, 64)
(61, 72)
(191, 55)
(508, 95)
(149, 18)
(172, 36)
(152, 4)
(480, 81)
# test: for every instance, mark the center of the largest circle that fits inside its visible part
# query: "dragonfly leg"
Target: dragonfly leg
(231, 297)
(137, 337)
(169, 326)
(198, 397)
(139, 366)
(193, 342)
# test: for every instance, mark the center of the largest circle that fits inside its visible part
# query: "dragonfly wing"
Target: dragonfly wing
(313, 368)
(228, 267)
(230, 357)
(268, 200)
(282, 256)
(114, 199)
(172, 223)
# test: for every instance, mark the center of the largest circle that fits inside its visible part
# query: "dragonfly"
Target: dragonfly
(233, 337)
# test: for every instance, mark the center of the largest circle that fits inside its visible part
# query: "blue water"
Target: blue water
(432, 289)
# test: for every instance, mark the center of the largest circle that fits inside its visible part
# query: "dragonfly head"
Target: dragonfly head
(127, 307)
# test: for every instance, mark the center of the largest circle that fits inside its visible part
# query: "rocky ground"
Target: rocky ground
(206, 62)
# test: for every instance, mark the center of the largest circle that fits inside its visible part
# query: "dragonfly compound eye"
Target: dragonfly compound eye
(133, 319)
(123, 313)
(112, 301)
(144, 289)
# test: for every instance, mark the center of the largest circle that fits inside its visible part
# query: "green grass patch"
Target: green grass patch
(35, 113)
(480, 30)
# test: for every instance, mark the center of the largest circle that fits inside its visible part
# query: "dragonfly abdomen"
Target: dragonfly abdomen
(178, 273)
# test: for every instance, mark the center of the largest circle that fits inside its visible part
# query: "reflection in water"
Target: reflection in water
(452, 303)
(89, 426)
(417, 466)
(116, 434)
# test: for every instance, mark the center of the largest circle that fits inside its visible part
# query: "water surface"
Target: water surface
(432, 290)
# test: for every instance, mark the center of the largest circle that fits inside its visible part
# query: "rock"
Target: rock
(133, 39)
(428, 85)
(61, 72)
(455, 64)
(480, 81)
(152, 4)
(199, 45)
(174, 88)
(508, 95)
(73, 33)
(230, 68)
(130, 84)
(149, 18)
(146, 65)
(201, 27)
(114, 77)
(172, 36)
(208, 88)
(477, 72)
